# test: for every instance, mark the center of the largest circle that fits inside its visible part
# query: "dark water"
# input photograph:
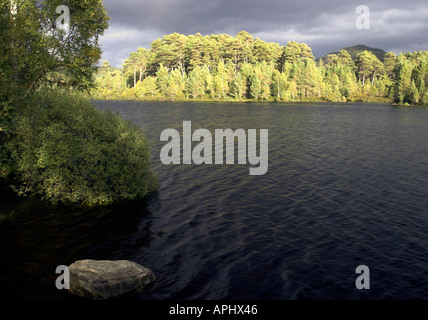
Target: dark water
(347, 185)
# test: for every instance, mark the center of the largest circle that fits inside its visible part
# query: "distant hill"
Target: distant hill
(354, 50)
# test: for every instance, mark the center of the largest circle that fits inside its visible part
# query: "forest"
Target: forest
(227, 68)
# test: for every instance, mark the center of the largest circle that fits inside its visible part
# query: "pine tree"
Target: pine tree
(175, 85)
(389, 62)
(292, 90)
(279, 86)
(402, 79)
(149, 87)
(195, 85)
(221, 87)
(239, 86)
(255, 85)
(194, 49)
(414, 95)
(162, 79)
(368, 66)
(345, 59)
(222, 66)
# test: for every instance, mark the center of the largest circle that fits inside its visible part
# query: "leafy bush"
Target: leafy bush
(66, 151)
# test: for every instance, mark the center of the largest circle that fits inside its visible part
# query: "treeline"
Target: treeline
(223, 67)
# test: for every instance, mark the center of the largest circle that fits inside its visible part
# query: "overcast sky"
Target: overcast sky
(326, 26)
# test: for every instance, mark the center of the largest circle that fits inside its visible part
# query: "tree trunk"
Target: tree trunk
(374, 74)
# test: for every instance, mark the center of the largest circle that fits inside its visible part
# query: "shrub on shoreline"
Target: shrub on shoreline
(66, 151)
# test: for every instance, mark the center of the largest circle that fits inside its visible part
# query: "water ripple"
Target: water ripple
(346, 186)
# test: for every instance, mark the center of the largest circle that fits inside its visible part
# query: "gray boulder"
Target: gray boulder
(104, 279)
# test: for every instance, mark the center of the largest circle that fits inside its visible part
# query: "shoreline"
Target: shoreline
(270, 101)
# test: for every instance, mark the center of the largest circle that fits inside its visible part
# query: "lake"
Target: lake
(347, 185)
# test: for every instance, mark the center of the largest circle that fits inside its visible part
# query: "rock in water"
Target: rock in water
(104, 279)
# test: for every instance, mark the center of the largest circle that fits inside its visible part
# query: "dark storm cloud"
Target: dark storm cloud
(325, 26)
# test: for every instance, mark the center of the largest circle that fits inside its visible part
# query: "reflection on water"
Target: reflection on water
(346, 186)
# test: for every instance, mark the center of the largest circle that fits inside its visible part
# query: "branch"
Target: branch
(34, 82)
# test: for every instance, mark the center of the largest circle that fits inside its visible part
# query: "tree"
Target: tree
(194, 49)
(195, 85)
(264, 73)
(35, 50)
(209, 85)
(149, 87)
(239, 86)
(345, 59)
(279, 85)
(218, 66)
(255, 85)
(143, 58)
(110, 80)
(246, 41)
(221, 87)
(310, 79)
(414, 95)
(330, 60)
(60, 147)
(389, 63)
(162, 79)
(402, 79)
(130, 67)
(211, 54)
(349, 82)
(246, 71)
(175, 85)
(368, 65)
(170, 51)
(263, 51)
(296, 74)
(232, 49)
(420, 73)
(292, 90)
(294, 51)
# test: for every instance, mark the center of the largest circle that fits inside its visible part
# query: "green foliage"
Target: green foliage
(147, 88)
(53, 142)
(389, 62)
(239, 86)
(255, 86)
(35, 51)
(242, 67)
(66, 151)
(162, 79)
(355, 50)
(345, 59)
(294, 51)
(409, 78)
(368, 66)
(108, 82)
(195, 83)
(175, 85)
